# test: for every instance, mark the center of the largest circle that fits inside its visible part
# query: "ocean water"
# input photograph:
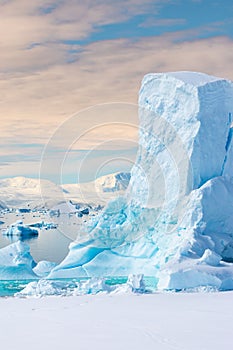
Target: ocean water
(10, 288)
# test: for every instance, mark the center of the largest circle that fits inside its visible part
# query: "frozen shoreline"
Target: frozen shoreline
(160, 321)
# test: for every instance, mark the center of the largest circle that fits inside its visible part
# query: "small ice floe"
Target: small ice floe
(44, 225)
(19, 229)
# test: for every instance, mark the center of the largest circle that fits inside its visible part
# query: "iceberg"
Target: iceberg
(175, 221)
(19, 229)
(43, 225)
(16, 262)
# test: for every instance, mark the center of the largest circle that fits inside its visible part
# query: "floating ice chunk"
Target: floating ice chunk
(54, 212)
(16, 262)
(19, 229)
(44, 225)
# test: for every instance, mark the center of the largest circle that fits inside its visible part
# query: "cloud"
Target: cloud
(47, 71)
(28, 22)
(34, 105)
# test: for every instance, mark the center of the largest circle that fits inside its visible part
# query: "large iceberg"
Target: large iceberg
(175, 222)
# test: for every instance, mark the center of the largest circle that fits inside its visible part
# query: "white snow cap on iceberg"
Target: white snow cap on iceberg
(191, 78)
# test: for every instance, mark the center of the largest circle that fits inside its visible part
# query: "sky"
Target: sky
(70, 72)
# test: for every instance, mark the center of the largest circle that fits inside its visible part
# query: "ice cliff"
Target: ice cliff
(175, 222)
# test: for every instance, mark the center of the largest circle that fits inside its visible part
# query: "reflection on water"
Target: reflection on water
(13, 239)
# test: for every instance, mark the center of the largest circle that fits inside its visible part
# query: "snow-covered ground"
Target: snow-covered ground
(167, 321)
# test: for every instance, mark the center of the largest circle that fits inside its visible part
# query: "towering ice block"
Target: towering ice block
(175, 222)
(185, 116)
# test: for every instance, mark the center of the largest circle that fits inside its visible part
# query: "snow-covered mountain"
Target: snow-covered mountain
(113, 182)
(20, 191)
(99, 191)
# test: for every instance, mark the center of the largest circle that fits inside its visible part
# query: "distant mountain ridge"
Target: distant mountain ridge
(19, 191)
(113, 182)
(101, 190)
